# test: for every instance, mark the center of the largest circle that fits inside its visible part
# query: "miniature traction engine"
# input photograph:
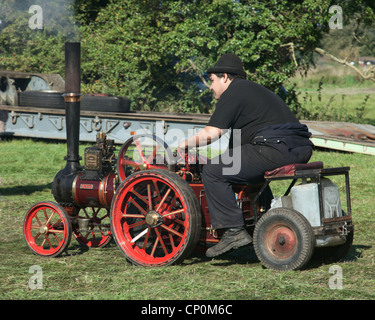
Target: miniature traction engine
(151, 201)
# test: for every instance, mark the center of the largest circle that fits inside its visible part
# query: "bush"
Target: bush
(153, 51)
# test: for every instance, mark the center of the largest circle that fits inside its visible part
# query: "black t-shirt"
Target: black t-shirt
(249, 106)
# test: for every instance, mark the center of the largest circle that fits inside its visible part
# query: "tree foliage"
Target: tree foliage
(154, 51)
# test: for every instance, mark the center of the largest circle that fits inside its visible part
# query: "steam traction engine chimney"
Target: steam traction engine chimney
(62, 184)
(72, 98)
(94, 183)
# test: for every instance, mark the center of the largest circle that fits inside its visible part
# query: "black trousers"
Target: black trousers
(242, 165)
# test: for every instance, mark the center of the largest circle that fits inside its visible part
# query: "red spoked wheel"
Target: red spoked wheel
(47, 229)
(155, 218)
(92, 228)
(143, 152)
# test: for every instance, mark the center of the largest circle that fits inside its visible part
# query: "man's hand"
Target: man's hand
(204, 137)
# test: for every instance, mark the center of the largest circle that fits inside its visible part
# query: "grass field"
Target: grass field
(27, 169)
(333, 92)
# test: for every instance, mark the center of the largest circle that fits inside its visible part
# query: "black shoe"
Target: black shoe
(233, 238)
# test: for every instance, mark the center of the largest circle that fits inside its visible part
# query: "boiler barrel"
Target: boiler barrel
(94, 193)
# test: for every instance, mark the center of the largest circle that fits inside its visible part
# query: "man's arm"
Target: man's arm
(204, 137)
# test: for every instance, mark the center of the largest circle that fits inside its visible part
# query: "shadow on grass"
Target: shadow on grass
(24, 190)
(246, 255)
(75, 248)
(243, 255)
(354, 253)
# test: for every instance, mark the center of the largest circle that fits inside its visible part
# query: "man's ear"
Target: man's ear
(226, 78)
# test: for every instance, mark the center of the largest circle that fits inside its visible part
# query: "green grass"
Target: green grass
(333, 92)
(27, 169)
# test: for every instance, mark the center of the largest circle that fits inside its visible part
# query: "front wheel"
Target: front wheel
(47, 229)
(92, 227)
(155, 218)
(283, 239)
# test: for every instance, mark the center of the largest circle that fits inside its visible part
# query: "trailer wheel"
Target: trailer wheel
(47, 229)
(155, 218)
(97, 231)
(283, 239)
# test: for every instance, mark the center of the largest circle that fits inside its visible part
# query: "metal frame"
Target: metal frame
(310, 173)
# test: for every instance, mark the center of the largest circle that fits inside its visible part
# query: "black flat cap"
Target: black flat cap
(228, 63)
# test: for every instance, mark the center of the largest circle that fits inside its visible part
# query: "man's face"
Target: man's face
(219, 85)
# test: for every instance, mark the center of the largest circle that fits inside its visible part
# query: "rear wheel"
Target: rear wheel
(155, 218)
(283, 239)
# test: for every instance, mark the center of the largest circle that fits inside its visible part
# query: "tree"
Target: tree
(156, 51)
(35, 50)
(152, 50)
(359, 18)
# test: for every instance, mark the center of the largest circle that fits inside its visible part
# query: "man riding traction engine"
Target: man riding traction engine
(160, 207)
(270, 137)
